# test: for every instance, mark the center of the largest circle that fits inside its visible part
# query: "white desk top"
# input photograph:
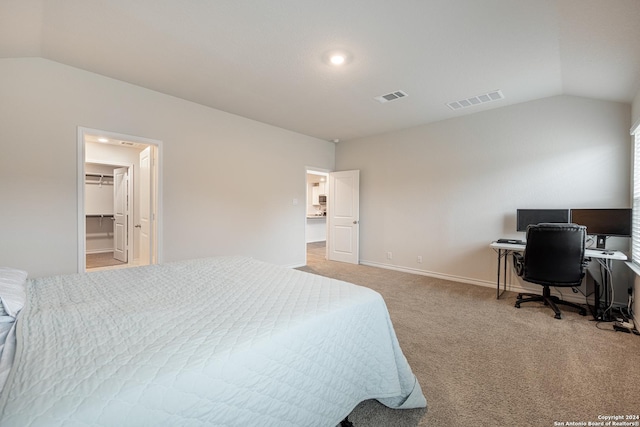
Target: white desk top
(510, 246)
(590, 253)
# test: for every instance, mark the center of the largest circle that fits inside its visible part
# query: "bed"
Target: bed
(224, 341)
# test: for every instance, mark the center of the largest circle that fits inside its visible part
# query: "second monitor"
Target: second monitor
(603, 223)
(526, 217)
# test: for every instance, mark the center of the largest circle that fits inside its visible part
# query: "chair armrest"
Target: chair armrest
(518, 263)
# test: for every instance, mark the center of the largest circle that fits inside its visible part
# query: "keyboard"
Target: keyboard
(512, 241)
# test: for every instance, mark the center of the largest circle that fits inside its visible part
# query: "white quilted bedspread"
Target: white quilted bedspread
(217, 342)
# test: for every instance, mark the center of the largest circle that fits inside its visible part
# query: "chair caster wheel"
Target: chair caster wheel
(519, 296)
(517, 305)
(583, 313)
(558, 316)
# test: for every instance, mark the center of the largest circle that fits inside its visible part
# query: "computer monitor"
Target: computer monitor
(603, 223)
(526, 217)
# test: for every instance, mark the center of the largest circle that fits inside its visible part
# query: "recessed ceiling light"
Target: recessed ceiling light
(337, 57)
(103, 140)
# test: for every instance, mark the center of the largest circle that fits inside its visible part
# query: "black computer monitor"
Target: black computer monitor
(603, 223)
(526, 217)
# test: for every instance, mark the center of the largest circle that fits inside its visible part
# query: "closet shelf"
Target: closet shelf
(98, 178)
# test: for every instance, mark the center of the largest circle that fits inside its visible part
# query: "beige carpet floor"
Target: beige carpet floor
(482, 362)
(103, 259)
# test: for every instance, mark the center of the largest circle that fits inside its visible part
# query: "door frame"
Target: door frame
(157, 188)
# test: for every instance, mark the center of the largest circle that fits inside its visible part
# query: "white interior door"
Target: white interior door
(343, 208)
(145, 225)
(120, 214)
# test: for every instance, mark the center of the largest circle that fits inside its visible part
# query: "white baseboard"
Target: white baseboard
(568, 295)
(99, 251)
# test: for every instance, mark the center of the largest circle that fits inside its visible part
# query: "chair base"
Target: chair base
(551, 301)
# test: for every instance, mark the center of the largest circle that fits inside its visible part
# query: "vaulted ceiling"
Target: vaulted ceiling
(267, 59)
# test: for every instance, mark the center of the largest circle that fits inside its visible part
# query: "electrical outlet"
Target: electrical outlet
(389, 255)
(419, 259)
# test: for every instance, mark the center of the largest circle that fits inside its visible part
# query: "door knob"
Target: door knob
(137, 226)
(355, 222)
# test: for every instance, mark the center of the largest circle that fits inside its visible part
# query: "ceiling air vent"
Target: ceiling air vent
(391, 96)
(496, 95)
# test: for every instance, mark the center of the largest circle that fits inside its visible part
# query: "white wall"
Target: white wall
(217, 168)
(443, 191)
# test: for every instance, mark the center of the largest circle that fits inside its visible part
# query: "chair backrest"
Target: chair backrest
(554, 254)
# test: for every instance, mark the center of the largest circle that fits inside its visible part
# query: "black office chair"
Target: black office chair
(553, 256)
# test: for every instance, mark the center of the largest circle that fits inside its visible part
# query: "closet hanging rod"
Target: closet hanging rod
(99, 215)
(99, 175)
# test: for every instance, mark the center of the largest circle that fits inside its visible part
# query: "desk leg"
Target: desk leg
(498, 282)
(506, 261)
(502, 254)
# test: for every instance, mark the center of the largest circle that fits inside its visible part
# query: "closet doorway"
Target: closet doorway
(118, 194)
(106, 193)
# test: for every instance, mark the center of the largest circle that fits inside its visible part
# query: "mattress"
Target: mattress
(223, 341)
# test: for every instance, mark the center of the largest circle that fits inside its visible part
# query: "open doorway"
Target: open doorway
(118, 194)
(316, 213)
(107, 191)
(333, 220)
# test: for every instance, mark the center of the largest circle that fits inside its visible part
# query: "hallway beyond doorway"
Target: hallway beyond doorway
(316, 252)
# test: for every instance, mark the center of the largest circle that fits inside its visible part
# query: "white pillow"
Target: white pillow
(12, 290)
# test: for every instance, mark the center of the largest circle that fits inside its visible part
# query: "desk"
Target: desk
(604, 258)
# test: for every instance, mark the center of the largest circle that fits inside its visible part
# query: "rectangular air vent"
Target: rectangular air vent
(476, 100)
(391, 96)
